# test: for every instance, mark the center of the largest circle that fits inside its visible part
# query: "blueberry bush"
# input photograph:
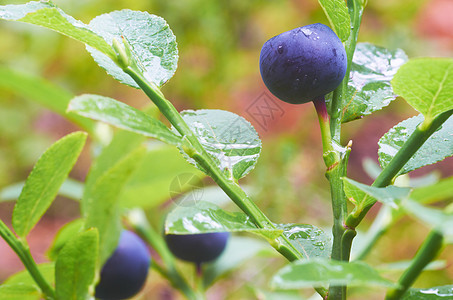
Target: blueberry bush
(95, 256)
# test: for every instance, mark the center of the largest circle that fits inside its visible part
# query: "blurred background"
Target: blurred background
(219, 44)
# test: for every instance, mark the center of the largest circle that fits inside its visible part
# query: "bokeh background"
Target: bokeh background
(219, 44)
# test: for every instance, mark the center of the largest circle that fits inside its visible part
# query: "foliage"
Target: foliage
(139, 50)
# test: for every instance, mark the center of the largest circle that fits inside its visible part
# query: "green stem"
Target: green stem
(200, 155)
(336, 169)
(177, 281)
(23, 252)
(335, 172)
(336, 107)
(409, 148)
(339, 208)
(427, 252)
(237, 194)
(239, 197)
(330, 155)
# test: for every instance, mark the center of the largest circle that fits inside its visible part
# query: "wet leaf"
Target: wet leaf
(309, 240)
(427, 85)
(207, 217)
(434, 293)
(231, 140)
(152, 42)
(436, 148)
(123, 116)
(369, 87)
(309, 273)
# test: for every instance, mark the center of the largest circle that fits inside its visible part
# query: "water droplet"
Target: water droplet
(280, 49)
(156, 51)
(307, 32)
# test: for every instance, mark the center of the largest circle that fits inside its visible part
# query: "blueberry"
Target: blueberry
(197, 248)
(125, 272)
(303, 64)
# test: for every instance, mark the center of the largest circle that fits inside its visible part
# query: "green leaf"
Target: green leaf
(44, 181)
(122, 144)
(47, 270)
(76, 266)
(100, 203)
(338, 15)
(230, 140)
(196, 192)
(122, 116)
(427, 85)
(363, 195)
(71, 189)
(19, 291)
(67, 232)
(436, 192)
(436, 148)
(207, 217)
(434, 293)
(145, 189)
(47, 15)
(309, 273)
(279, 295)
(238, 251)
(309, 240)
(400, 266)
(439, 220)
(43, 92)
(369, 87)
(152, 42)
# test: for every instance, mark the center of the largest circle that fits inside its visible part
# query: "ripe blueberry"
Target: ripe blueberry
(303, 64)
(197, 248)
(125, 272)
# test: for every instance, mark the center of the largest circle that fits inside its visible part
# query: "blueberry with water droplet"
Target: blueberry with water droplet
(303, 64)
(197, 248)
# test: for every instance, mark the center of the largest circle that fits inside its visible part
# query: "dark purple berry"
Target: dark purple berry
(303, 64)
(197, 248)
(125, 272)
